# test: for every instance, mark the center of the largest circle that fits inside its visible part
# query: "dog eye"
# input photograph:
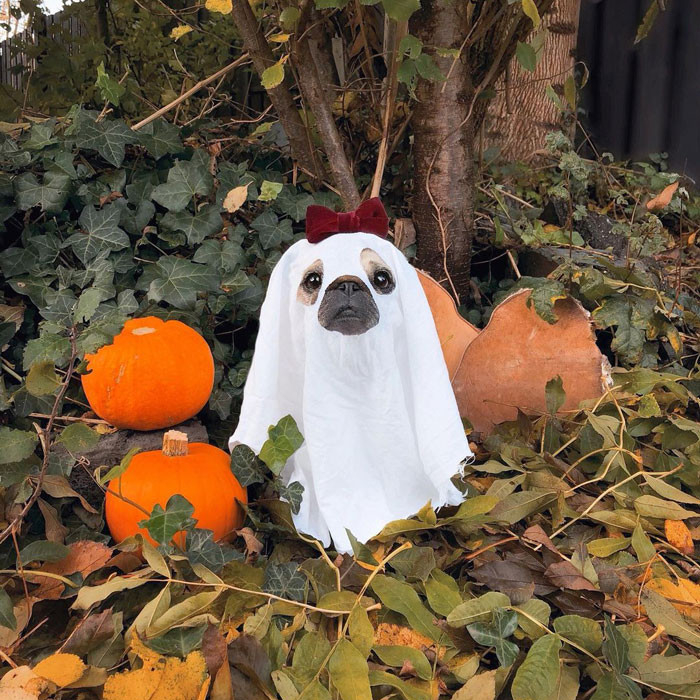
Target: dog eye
(382, 280)
(312, 281)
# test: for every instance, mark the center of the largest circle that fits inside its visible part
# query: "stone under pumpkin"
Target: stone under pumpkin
(199, 472)
(155, 374)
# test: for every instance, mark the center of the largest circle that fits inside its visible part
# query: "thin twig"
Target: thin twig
(243, 58)
(46, 440)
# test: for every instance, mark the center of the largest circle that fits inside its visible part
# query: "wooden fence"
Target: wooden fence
(14, 63)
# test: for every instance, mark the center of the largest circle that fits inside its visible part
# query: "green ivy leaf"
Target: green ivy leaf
(285, 580)
(110, 90)
(271, 230)
(285, 439)
(269, 190)
(108, 137)
(99, 233)
(164, 523)
(246, 467)
(292, 493)
(186, 179)
(160, 138)
(201, 548)
(224, 256)
(206, 222)
(51, 195)
(503, 625)
(178, 282)
(16, 444)
(179, 641)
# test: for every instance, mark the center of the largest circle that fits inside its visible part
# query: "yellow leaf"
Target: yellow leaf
(179, 31)
(684, 596)
(273, 75)
(280, 38)
(222, 6)
(235, 198)
(663, 199)
(530, 9)
(160, 678)
(570, 92)
(61, 669)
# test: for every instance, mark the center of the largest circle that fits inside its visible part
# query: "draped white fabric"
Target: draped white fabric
(382, 433)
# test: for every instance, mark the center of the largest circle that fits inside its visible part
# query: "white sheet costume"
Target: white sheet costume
(382, 433)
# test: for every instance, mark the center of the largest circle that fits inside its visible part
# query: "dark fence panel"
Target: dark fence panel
(646, 98)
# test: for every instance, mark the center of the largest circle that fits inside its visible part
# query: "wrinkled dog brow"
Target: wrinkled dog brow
(373, 263)
(308, 293)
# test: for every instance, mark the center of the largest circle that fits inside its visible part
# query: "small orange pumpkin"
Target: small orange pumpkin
(198, 472)
(154, 374)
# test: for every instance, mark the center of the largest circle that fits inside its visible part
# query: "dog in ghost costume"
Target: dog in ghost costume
(347, 346)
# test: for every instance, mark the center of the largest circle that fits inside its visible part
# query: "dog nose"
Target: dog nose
(348, 287)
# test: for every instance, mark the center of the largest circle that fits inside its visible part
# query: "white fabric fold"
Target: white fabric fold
(382, 432)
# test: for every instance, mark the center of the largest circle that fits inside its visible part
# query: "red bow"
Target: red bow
(369, 217)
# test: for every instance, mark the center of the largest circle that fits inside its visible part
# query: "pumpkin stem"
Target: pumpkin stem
(174, 444)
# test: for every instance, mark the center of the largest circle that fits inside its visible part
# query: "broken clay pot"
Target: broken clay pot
(506, 366)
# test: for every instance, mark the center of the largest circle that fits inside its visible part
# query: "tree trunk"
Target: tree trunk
(316, 100)
(521, 114)
(281, 97)
(443, 152)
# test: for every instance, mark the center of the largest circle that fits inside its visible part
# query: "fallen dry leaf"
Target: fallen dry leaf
(684, 596)
(61, 669)
(678, 535)
(663, 199)
(233, 201)
(22, 680)
(85, 557)
(160, 678)
(388, 634)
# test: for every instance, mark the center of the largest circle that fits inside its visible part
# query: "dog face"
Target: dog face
(348, 305)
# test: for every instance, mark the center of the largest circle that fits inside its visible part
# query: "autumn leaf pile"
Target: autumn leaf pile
(569, 571)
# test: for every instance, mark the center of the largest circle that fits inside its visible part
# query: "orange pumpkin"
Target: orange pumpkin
(154, 374)
(200, 473)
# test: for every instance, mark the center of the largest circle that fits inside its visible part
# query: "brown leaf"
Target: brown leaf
(565, 575)
(214, 649)
(85, 557)
(252, 544)
(536, 534)
(679, 536)
(663, 199)
(58, 487)
(222, 688)
(55, 530)
(234, 199)
(91, 631)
